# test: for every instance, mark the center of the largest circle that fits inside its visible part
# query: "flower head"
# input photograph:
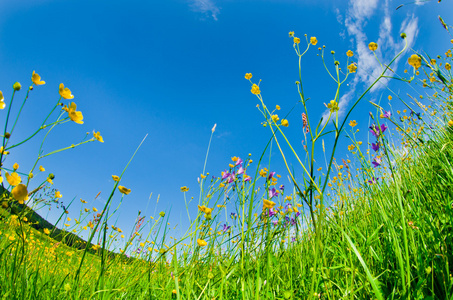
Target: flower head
(415, 61)
(225, 227)
(74, 115)
(248, 75)
(377, 161)
(372, 46)
(352, 68)
(2, 104)
(268, 204)
(285, 123)
(115, 178)
(124, 190)
(296, 40)
(201, 242)
(313, 40)
(350, 53)
(65, 92)
(447, 66)
(13, 179)
(97, 135)
(375, 147)
(291, 33)
(333, 106)
(37, 79)
(352, 123)
(255, 89)
(272, 193)
(20, 193)
(184, 189)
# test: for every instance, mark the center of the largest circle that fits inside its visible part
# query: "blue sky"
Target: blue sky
(172, 69)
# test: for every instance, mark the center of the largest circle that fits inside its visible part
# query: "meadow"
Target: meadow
(378, 226)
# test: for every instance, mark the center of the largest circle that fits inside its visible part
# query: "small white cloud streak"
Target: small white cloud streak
(369, 68)
(206, 7)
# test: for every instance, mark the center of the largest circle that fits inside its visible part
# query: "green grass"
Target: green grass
(355, 238)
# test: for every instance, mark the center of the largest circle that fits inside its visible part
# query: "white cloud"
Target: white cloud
(369, 68)
(206, 7)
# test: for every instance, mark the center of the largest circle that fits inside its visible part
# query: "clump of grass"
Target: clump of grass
(378, 226)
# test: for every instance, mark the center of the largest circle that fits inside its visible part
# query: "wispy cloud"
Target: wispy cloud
(356, 18)
(207, 7)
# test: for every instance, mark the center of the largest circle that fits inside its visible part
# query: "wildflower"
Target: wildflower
(272, 193)
(2, 104)
(350, 53)
(352, 68)
(268, 204)
(201, 242)
(389, 97)
(376, 131)
(58, 194)
(447, 66)
(46, 231)
(415, 61)
(184, 189)
(36, 79)
(277, 107)
(333, 106)
(373, 180)
(95, 209)
(255, 89)
(282, 188)
(17, 86)
(97, 135)
(271, 175)
(115, 178)
(74, 115)
(162, 214)
(377, 161)
(387, 114)
(13, 179)
(247, 178)
(41, 168)
(65, 92)
(375, 147)
(225, 175)
(351, 147)
(263, 173)
(124, 190)
(284, 122)
(225, 227)
(240, 170)
(288, 198)
(372, 46)
(275, 118)
(450, 123)
(239, 161)
(233, 215)
(20, 193)
(353, 123)
(202, 176)
(248, 75)
(16, 166)
(313, 40)
(291, 34)
(296, 40)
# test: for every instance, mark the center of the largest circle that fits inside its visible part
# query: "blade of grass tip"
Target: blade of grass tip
(76, 277)
(373, 281)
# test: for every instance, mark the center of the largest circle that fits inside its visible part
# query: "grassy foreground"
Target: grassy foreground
(377, 227)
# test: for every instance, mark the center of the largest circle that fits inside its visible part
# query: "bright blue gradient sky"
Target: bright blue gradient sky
(172, 69)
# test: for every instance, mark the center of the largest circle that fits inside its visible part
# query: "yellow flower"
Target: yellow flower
(13, 179)
(248, 75)
(450, 123)
(275, 118)
(65, 92)
(285, 122)
(372, 46)
(433, 61)
(268, 204)
(41, 168)
(97, 135)
(95, 209)
(277, 107)
(352, 68)
(58, 194)
(263, 173)
(202, 176)
(255, 89)
(313, 40)
(333, 106)
(20, 193)
(350, 53)
(389, 97)
(46, 231)
(124, 190)
(351, 147)
(201, 242)
(2, 104)
(184, 189)
(296, 40)
(415, 61)
(36, 79)
(291, 34)
(352, 123)
(16, 166)
(74, 115)
(447, 66)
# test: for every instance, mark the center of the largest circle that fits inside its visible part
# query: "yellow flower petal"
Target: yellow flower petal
(313, 40)
(20, 193)
(65, 92)
(37, 79)
(201, 242)
(124, 190)
(373, 46)
(248, 75)
(98, 136)
(115, 178)
(13, 179)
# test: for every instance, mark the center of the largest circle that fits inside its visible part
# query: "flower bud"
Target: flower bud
(7, 135)
(51, 176)
(17, 86)
(162, 214)
(403, 35)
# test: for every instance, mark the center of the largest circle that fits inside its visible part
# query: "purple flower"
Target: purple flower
(225, 174)
(383, 128)
(387, 114)
(225, 227)
(293, 239)
(273, 193)
(239, 161)
(376, 131)
(297, 214)
(373, 181)
(271, 212)
(233, 215)
(231, 178)
(377, 161)
(271, 174)
(275, 222)
(247, 178)
(240, 171)
(282, 187)
(293, 221)
(375, 147)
